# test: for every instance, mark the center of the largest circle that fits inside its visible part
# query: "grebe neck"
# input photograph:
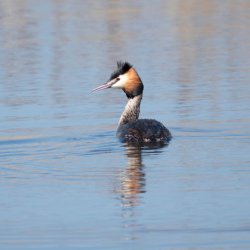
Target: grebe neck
(131, 111)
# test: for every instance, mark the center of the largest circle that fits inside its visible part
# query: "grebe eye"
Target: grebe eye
(117, 79)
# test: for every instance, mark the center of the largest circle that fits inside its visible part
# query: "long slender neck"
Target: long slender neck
(131, 111)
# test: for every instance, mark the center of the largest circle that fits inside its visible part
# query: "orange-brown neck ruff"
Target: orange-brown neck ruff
(134, 86)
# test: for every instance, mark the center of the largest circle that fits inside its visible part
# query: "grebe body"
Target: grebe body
(130, 128)
(143, 131)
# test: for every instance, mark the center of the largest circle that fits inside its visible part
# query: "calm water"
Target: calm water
(65, 180)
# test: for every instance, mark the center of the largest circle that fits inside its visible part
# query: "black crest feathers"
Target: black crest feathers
(122, 68)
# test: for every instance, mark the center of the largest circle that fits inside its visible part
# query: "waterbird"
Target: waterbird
(130, 128)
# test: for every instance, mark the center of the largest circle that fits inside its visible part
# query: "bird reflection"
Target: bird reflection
(133, 178)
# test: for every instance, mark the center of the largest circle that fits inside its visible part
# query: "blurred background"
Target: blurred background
(65, 180)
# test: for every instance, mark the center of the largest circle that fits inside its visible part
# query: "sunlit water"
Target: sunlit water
(66, 182)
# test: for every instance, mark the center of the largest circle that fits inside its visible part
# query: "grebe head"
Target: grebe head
(126, 78)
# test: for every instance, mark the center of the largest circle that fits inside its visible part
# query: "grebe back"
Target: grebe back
(130, 128)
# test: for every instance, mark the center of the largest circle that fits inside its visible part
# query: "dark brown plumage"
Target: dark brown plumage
(143, 131)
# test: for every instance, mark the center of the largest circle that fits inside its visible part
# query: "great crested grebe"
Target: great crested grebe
(130, 128)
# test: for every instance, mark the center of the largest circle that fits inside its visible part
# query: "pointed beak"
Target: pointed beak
(101, 87)
(105, 86)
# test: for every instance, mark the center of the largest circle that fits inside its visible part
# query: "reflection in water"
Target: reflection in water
(132, 181)
(133, 178)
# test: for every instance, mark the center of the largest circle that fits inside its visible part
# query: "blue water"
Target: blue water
(66, 182)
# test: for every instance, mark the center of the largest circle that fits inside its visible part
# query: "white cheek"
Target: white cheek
(121, 83)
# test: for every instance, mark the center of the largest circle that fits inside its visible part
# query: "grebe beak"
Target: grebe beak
(106, 85)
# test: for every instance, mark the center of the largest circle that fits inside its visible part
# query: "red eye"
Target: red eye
(117, 79)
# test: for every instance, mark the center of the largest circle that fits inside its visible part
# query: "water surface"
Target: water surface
(66, 182)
